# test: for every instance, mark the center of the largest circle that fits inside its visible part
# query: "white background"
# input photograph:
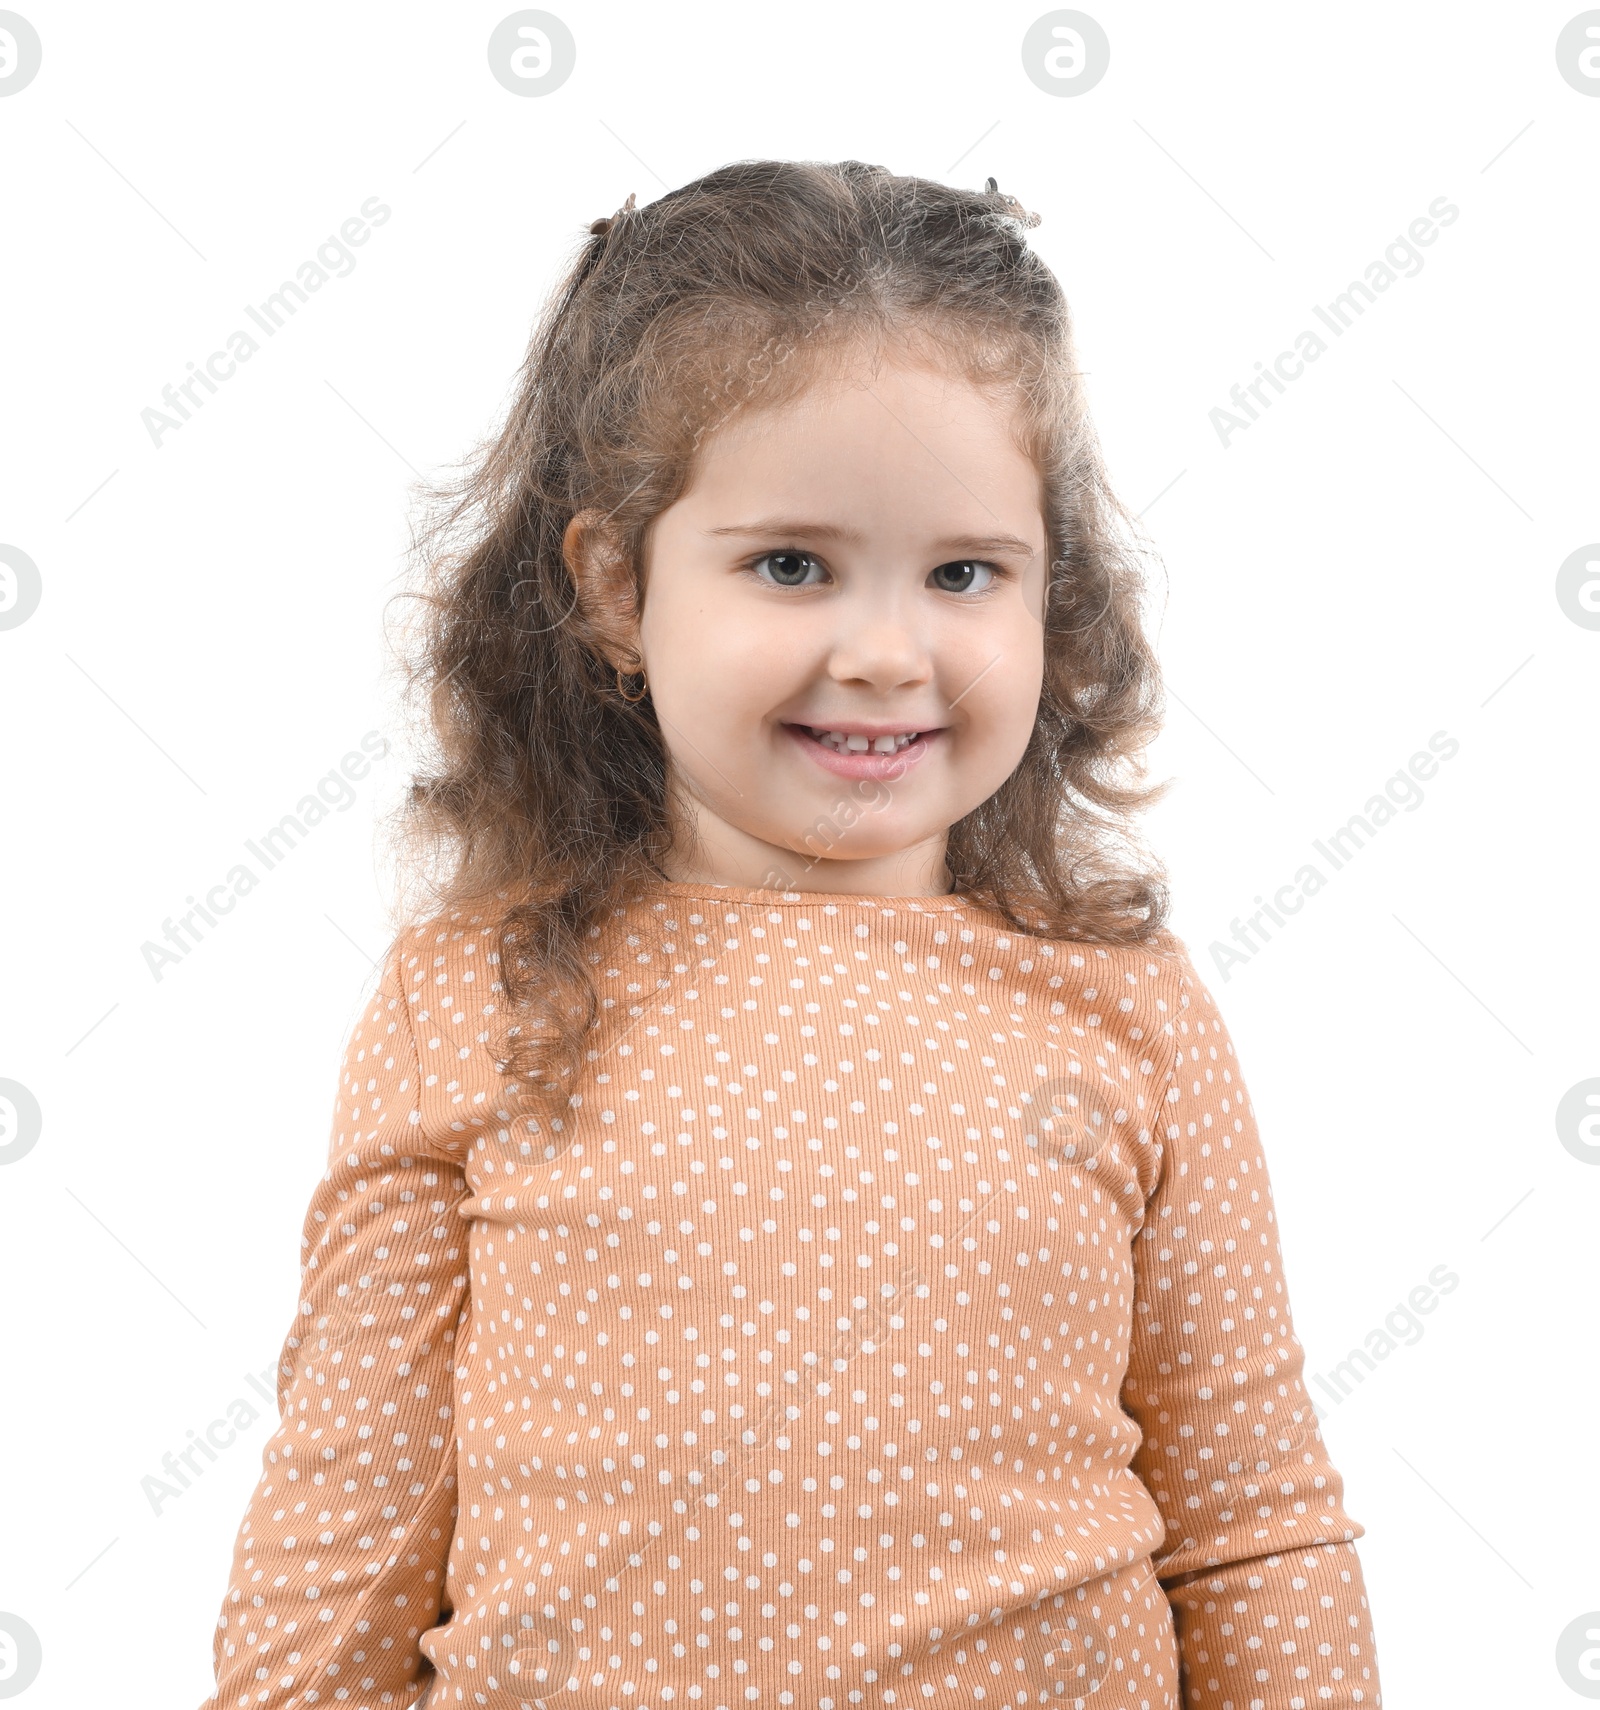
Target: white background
(1366, 565)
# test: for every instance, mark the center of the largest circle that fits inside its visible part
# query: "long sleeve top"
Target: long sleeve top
(898, 1318)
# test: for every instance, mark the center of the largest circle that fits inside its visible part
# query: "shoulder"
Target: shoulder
(1141, 990)
(1186, 1009)
(446, 962)
(441, 974)
(1146, 1003)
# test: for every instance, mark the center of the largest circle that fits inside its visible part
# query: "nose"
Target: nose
(879, 647)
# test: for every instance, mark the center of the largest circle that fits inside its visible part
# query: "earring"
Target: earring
(644, 688)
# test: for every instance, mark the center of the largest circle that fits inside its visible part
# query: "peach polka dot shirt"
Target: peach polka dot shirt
(897, 1318)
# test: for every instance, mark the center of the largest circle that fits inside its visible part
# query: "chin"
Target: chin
(845, 850)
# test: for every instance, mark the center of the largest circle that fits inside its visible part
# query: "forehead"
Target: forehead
(906, 435)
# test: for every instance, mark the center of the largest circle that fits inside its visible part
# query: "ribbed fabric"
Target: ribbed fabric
(898, 1319)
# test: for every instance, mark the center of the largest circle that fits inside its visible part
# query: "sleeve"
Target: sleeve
(1258, 1562)
(339, 1563)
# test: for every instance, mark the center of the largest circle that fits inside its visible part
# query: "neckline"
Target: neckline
(749, 896)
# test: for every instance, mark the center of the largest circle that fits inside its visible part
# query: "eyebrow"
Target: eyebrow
(832, 531)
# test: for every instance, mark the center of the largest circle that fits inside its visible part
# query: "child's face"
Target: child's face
(863, 565)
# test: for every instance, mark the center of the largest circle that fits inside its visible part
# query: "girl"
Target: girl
(794, 1231)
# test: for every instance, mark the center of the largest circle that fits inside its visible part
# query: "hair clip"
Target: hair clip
(599, 228)
(1014, 209)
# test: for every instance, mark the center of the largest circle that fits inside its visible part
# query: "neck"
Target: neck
(711, 851)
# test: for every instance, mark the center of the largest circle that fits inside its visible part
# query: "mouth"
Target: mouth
(863, 750)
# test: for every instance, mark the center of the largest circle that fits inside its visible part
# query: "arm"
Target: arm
(1259, 1562)
(339, 1564)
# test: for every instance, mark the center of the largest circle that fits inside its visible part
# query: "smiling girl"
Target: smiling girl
(794, 1230)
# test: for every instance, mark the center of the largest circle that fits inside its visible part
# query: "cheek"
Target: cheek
(713, 672)
(1016, 722)
(1011, 707)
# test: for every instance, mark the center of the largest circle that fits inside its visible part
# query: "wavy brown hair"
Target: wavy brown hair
(545, 797)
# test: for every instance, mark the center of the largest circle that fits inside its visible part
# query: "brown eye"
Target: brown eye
(961, 576)
(786, 569)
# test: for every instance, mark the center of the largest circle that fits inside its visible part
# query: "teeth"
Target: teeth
(843, 742)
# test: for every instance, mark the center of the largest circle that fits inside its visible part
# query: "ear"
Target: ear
(603, 579)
